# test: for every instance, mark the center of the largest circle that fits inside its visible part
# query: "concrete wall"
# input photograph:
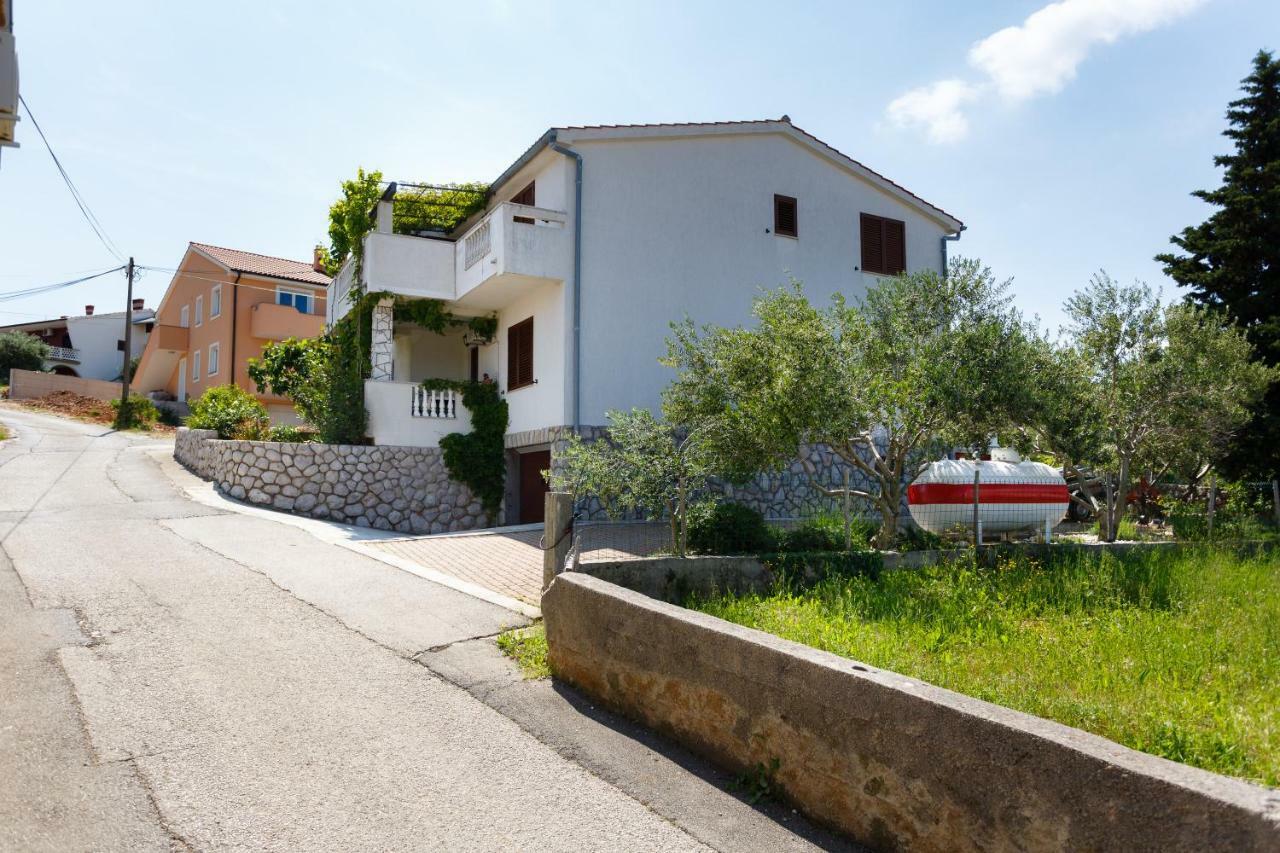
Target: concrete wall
(388, 488)
(29, 384)
(683, 226)
(895, 763)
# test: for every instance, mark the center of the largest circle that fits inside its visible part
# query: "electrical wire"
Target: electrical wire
(11, 295)
(75, 193)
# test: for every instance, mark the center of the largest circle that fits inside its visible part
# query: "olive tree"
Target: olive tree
(921, 359)
(644, 465)
(21, 351)
(1164, 382)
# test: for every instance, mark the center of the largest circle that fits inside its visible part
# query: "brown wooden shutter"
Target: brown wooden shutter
(785, 220)
(872, 244)
(520, 354)
(884, 245)
(526, 195)
(895, 246)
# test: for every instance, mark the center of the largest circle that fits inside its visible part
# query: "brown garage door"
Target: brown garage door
(532, 486)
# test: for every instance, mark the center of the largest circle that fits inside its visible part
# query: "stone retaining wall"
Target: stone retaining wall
(389, 488)
(896, 763)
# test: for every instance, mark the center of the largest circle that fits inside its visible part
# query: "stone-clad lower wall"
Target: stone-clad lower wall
(792, 492)
(390, 488)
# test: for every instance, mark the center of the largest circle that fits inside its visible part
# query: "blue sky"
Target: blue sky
(1067, 144)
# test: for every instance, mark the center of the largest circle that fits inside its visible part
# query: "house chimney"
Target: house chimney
(317, 259)
(88, 310)
(137, 304)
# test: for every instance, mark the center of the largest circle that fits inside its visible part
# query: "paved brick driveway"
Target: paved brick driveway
(510, 562)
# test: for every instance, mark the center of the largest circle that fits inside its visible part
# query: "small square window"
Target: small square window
(785, 219)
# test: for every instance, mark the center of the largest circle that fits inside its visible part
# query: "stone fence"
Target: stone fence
(406, 489)
(896, 763)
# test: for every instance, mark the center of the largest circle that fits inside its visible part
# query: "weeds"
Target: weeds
(528, 648)
(758, 783)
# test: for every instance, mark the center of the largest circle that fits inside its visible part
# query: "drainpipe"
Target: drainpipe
(235, 302)
(577, 275)
(943, 243)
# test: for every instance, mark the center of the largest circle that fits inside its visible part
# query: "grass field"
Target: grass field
(1175, 654)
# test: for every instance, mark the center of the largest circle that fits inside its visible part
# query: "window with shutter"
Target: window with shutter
(785, 221)
(884, 245)
(526, 195)
(520, 355)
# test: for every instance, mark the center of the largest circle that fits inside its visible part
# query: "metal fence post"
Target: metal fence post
(1213, 499)
(977, 516)
(557, 533)
(1275, 499)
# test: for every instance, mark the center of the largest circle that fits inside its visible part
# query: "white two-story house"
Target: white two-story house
(593, 242)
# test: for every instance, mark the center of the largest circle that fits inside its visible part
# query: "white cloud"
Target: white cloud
(1039, 56)
(935, 107)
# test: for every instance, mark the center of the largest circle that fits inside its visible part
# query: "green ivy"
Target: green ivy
(478, 458)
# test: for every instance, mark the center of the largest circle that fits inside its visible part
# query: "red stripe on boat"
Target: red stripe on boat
(988, 493)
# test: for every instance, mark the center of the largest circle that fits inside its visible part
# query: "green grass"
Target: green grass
(528, 648)
(4, 433)
(1175, 654)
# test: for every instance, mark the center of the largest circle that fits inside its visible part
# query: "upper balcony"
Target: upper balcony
(277, 322)
(514, 245)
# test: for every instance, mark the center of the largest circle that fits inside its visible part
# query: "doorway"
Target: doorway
(532, 486)
(182, 380)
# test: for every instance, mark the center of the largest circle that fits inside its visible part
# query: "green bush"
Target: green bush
(140, 413)
(1239, 516)
(912, 538)
(227, 409)
(169, 417)
(20, 351)
(291, 433)
(729, 528)
(826, 533)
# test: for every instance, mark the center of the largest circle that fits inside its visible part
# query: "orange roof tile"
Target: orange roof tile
(255, 264)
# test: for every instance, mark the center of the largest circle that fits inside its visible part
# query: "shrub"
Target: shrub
(168, 416)
(826, 533)
(140, 413)
(913, 538)
(20, 351)
(292, 433)
(227, 409)
(728, 528)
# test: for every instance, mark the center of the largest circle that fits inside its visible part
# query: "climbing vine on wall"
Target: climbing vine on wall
(476, 459)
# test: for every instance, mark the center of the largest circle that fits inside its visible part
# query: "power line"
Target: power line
(47, 288)
(75, 193)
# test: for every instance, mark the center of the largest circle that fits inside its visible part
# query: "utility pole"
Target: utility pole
(123, 417)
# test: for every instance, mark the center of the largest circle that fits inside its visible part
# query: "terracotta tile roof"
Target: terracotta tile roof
(784, 120)
(255, 264)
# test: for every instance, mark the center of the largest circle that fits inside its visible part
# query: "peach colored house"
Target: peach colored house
(222, 307)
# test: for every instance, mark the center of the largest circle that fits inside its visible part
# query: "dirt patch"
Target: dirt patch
(71, 405)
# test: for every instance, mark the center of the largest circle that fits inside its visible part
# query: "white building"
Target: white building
(90, 346)
(594, 241)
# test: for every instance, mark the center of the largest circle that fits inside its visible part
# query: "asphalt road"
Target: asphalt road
(179, 677)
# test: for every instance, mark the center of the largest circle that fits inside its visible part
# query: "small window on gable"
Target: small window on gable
(520, 355)
(199, 310)
(185, 320)
(294, 299)
(884, 245)
(525, 196)
(215, 302)
(785, 222)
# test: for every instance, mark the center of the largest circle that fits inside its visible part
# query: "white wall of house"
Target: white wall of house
(541, 404)
(388, 405)
(431, 356)
(683, 226)
(97, 338)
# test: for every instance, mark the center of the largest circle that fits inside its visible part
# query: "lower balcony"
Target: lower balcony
(407, 415)
(64, 354)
